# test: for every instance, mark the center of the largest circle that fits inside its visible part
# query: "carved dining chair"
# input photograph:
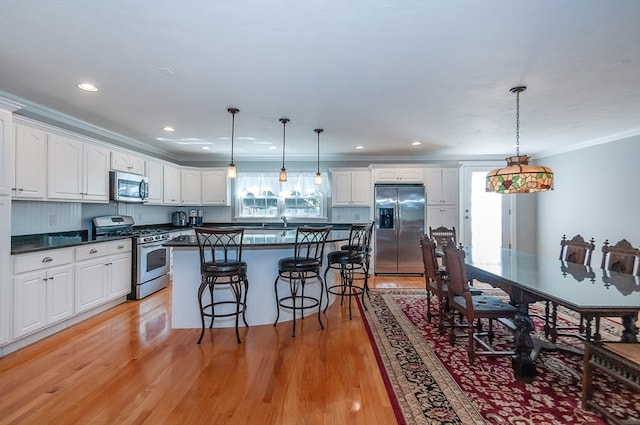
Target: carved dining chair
(434, 278)
(474, 308)
(577, 251)
(620, 258)
(442, 234)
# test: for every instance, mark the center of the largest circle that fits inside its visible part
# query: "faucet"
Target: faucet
(284, 220)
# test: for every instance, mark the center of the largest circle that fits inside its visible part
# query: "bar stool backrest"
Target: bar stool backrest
(358, 238)
(576, 250)
(220, 245)
(310, 242)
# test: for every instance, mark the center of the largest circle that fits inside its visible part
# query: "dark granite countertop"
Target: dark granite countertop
(24, 244)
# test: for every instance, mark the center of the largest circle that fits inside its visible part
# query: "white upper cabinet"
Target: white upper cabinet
(123, 161)
(155, 175)
(351, 188)
(215, 187)
(191, 186)
(6, 153)
(442, 185)
(398, 175)
(77, 170)
(95, 183)
(65, 168)
(30, 163)
(171, 185)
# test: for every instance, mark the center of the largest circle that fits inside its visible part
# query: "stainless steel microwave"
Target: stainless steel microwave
(126, 187)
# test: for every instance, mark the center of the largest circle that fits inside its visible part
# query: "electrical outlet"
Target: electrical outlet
(53, 220)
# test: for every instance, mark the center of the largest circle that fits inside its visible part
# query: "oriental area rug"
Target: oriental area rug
(432, 382)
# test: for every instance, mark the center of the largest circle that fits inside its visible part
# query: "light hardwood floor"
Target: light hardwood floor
(127, 366)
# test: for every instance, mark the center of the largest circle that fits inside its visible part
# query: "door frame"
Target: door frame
(508, 203)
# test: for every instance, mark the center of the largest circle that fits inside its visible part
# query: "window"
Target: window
(261, 195)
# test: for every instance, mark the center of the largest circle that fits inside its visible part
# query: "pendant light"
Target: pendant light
(318, 179)
(231, 171)
(518, 176)
(283, 172)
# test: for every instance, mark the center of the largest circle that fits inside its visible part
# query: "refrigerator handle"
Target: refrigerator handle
(398, 218)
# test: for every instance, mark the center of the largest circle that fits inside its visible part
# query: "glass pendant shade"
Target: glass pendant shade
(318, 179)
(519, 177)
(282, 177)
(231, 171)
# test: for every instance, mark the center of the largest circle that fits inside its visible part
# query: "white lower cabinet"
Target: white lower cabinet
(43, 294)
(446, 216)
(103, 272)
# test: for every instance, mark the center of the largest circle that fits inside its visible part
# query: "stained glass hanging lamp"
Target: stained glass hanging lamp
(519, 176)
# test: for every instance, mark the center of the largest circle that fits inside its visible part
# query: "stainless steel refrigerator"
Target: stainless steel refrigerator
(399, 212)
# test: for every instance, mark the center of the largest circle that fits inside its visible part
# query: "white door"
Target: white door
(486, 218)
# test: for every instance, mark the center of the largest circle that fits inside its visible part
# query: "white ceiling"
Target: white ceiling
(380, 74)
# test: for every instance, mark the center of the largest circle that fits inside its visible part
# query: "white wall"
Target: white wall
(597, 195)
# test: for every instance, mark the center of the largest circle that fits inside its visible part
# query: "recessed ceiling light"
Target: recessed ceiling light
(416, 143)
(87, 87)
(206, 148)
(359, 147)
(168, 128)
(273, 148)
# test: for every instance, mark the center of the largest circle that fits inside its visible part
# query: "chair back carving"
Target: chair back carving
(428, 246)
(456, 270)
(576, 250)
(620, 258)
(443, 235)
(220, 245)
(310, 243)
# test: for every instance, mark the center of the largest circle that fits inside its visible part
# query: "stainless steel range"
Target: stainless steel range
(150, 260)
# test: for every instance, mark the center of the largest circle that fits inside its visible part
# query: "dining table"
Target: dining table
(528, 278)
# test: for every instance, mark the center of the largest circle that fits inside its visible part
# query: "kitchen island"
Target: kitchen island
(262, 248)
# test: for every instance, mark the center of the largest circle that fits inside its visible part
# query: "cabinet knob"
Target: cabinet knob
(120, 246)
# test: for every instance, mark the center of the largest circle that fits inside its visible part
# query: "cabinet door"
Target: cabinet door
(59, 293)
(95, 173)
(65, 167)
(341, 188)
(119, 276)
(361, 188)
(156, 178)
(450, 185)
(30, 302)
(31, 163)
(442, 215)
(171, 185)
(6, 283)
(7, 173)
(136, 165)
(433, 183)
(191, 184)
(215, 187)
(120, 161)
(91, 276)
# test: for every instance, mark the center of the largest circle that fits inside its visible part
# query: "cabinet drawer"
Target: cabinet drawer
(120, 246)
(93, 250)
(96, 250)
(41, 260)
